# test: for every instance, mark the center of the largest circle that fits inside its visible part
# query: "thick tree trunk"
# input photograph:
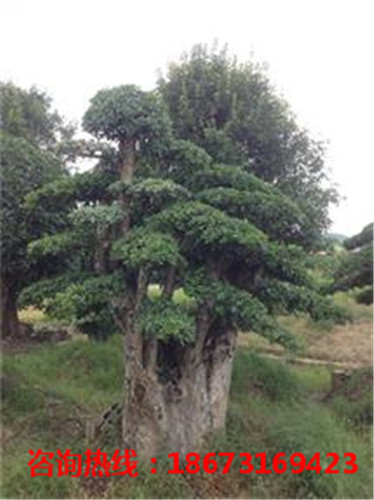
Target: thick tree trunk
(9, 324)
(173, 395)
(173, 404)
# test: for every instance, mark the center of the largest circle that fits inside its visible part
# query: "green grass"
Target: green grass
(286, 416)
(274, 407)
(359, 312)
(47, 394)
(85, 372)
(315, 380)
(255, 375)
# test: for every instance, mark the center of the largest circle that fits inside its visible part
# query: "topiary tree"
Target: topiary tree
(356, 269)
(196, 261)
(130, 117)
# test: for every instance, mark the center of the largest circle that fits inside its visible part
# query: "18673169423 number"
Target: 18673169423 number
(260, 463)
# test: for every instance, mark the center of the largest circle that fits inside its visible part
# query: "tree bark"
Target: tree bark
(127, 169)
(127, 152)
(102, 249)
(172, 408)
(9, 322)
(168, 289)
(173, 395)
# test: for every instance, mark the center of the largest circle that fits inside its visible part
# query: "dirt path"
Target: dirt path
(313, 361)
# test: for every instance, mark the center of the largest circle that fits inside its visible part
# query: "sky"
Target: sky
(319, 54)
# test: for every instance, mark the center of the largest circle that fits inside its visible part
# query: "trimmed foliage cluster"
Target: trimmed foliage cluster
(232, 242)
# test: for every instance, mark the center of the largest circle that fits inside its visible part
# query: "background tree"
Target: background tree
(29, 130)
(195, 262)
(356, 269)
(29, 114)
(233, 112)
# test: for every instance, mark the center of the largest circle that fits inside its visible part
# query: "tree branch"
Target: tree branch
(142, 287)
(169, 283)
(150, 355)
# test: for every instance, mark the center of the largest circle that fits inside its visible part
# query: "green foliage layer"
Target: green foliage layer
(217, 232)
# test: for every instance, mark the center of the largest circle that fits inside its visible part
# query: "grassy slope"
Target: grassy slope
(350, 344)
(47, 393)
(273, 408)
